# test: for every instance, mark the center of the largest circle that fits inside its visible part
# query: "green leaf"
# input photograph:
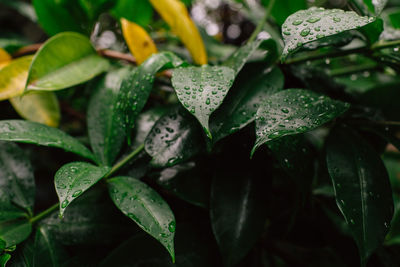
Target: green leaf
(201, 90)
(371, 7)
(238, 213)
(73, 179)
(283, 8)
(65, 60)
(16, 175)
(174, 138)
(135, 90)
(94, 8)
(47, 252)
(39, 134)
(4, 259)
(240, 106)
(14, 231)
(294, 111)
(104, 122)
(138, 11)
(145, 207)
(313, 24)
(362, 189)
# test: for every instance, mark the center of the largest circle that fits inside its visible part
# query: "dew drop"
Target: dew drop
(305, 32)
(64, 204)
(297, 22)
(172, 226)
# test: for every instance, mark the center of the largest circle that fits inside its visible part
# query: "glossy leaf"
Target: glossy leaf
(65, 60)
(14, 231)
(13, 77)
(313, 24)
(16, 176)
(41, 107)
(5, 58)
(135, 90)
(201, 90)
(283, 8)
(238, 214)
(39, 134)
(174, 138)
(177, 17)
(104, 121)
(138, 11)
(362, 189)
(73, 179)
(138, 40)
(294, 111)
(145, 207)
(4, 258)
(240, 106)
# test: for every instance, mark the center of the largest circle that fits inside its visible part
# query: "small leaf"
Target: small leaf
(138, 40)
(309, 25)
(13, 77)
(16, 175)
(145, 207)
(4, 258)
(47, 251)
(177, 17)
(294, 111)
(15, 231)
(5, 58)
(39, 134)
(174, 138)
(65, 60)
(39, 107)
(73, 179)
(362, 189)
(138, 11)
(103, 119)
(201, 90)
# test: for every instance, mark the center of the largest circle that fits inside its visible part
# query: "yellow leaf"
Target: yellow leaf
(5, 58)
(177, 17)
(138, 40)
(39, 106)
(13, 77)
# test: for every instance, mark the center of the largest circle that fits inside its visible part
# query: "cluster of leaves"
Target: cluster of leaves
(242, 157)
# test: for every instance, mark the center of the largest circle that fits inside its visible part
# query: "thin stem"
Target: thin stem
(353, 69)
(382, 45)
(262, 22)
(44, 213)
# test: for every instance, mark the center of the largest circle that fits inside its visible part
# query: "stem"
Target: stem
(262, 22)
(353, 69)
(44, 213)
(381, 45)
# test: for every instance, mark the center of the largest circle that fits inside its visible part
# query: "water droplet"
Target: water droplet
(336, 19)
(208, 101)
(313, 19)
(297, 22)
(64, 204)
(285, 110)
(172, 226)
(77, 193)
(305, 32)
(352, 221)
(286, 33)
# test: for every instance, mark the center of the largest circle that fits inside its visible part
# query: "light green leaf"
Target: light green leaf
(4, 259)
(145, 207)
(294, 111)
(39, 134)
(73, 179)
(201, 90)
(65, 60)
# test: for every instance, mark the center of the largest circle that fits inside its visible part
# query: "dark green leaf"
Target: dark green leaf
(2, 245)
(174, 138)
(135, 90)
(362, 189)
(104, 124)
(65, 60)
(94, 8)
(73, 179)
(14, 231)
(4, 259)
(47, 252)
(283, 8)
(145, 207)
(16, 176)
(39, 134)
(201, 90)
(138, 11)
(294, 111)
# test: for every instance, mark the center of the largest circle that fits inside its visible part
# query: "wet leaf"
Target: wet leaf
(145, 207)
(65, 60)
(201, 90)
(73, 179)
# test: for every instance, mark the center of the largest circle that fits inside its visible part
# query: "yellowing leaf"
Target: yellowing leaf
(177, 17)
(39, 107)
(138, 40)
(13, 77)
(5, 58)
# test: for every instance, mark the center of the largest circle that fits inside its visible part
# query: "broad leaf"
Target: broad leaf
(65, 60)
(47, 251)
(14, 231)
(177, 17)
(39, 107)
(39, 134)
(138, 40)
(313, 24)
(201, 90)
(16, 176)
(13, 77)
(73, 179)
(294, 111)
(104, 122)
(362, 189)
(138, 11)
(240, 106)
(174, 138)
(135, 90)
(238, 213)
(145, 207)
